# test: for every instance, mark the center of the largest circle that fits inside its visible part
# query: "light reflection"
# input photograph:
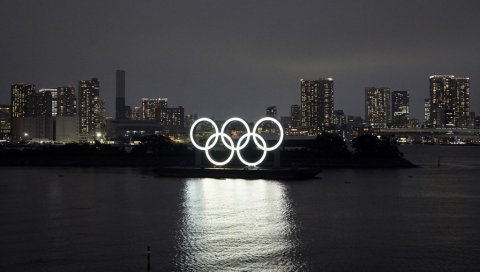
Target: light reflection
(246, 224)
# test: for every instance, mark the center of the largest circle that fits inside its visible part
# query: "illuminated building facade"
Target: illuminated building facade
(5, 119)
(426, 110)
(172, 118)
(400, 109)
(47, 102)
(449, 101)
(152, 108)
(377, 107)
(316, 104)
(295, 116)
(91, 107)
(66, 101)
(23, 100)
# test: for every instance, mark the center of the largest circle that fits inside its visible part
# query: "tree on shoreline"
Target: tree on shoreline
(369, 146)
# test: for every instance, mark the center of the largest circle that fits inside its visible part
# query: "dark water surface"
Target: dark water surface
(87, 219)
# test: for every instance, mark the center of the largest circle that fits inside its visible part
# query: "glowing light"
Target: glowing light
(241, 143)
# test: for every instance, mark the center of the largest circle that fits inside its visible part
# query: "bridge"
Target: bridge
(466, 134)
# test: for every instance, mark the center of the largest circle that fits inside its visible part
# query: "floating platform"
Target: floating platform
(239, 173)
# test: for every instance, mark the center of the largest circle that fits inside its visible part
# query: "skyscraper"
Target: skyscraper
(47, 102)
(295, 116)
(377, 106)
(120, 110)
(91, 107)
(426, 110)
(449, 94)
(23, 100)
(316, 104)
(400, 108)
(66, 101)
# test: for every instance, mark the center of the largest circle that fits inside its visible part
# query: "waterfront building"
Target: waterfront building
(295, 116)
(66, 101)
(23, 100)
(44, 102)
(5, 120)
(400, 109)
(449, 101)
(377, 107)
(120, 109)
(151, 108)
(47, 102)
(316, 104)
(172, 119)
(91, 110)
(426, 110)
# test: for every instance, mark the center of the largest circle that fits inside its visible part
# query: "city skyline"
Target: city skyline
(129, 109)
(213, 51)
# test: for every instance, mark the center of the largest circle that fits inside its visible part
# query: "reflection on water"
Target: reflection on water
(238, 224)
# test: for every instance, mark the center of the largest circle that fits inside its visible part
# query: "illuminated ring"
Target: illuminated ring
(192, 129)
(232, 151)
(233, 119)
(263, 147)
(241, 143)
(254, 131)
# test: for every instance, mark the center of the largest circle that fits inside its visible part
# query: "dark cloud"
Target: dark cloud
(226, 58)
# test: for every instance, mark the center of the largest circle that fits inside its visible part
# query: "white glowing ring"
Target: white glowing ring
(263, 147)
(224, 126)
(264, 119)
(232, 151)
(242, 142)
(192, 130)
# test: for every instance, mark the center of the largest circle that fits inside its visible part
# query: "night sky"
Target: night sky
(224, 58)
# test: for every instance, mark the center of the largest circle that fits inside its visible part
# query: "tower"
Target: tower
(400, 108)
(91, 107)
(316, 104)
(377, 106)
(120, 110)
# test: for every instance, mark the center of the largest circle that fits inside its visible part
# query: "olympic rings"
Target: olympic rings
(241, 143)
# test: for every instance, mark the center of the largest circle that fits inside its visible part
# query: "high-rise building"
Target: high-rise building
(151, 108)
(400, 109)
(46, 102)
(120, 110)
(316, 104)
(377, 107)
(271, 112)
(461, 107)
(295, 116)
(23, 100)
(426, 110)
(449, 101)
(172, 118)
(47, 98)
(5, 119)
(66, 101)
(91, 107)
